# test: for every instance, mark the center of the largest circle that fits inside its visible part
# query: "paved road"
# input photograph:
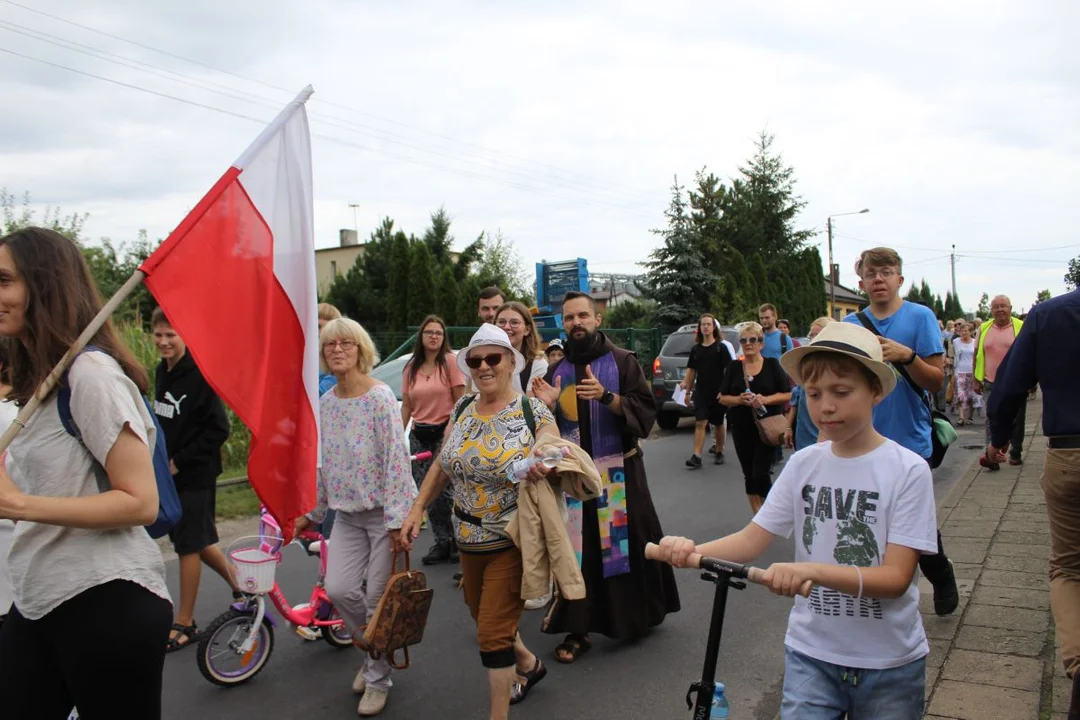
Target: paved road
(646, 679)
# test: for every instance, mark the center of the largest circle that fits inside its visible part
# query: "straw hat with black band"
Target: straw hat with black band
(848, 339)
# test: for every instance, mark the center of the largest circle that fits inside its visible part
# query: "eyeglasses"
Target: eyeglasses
(433, 333)
(492, 360)
(509, 323)
(749, 340)
(883, 274)
(345, 345)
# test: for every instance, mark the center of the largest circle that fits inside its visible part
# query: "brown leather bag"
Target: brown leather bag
(771, 429)
(400, 617)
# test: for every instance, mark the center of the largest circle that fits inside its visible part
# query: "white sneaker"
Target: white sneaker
(372, 703)
(359, 684)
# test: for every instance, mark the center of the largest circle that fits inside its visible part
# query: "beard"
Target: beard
(577, 346)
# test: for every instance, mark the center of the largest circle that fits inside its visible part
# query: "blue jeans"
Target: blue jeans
(817, 690)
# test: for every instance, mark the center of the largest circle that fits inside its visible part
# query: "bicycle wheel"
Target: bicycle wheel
(338, 636)
(219, 658)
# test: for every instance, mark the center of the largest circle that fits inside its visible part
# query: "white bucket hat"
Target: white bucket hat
(850, 339)
(489, 335)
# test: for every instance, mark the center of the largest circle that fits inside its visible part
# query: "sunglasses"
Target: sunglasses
(473, 361)
(749, 341)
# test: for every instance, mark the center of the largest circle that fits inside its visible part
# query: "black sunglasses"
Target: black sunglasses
(749, 341)
(492, 360)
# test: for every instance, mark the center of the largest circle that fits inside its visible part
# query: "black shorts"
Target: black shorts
(196, 529)
(712, 410)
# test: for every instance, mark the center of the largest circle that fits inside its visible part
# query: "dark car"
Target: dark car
(669, 367)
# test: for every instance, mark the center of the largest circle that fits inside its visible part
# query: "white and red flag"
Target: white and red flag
(236, 279)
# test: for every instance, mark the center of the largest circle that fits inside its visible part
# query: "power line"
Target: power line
(271, 104)
(151, 48)
(968, 253)
(398, 156)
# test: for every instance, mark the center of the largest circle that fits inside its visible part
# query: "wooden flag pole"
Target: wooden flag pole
(81, 342)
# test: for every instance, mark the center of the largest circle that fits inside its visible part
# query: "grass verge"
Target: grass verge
(236, 501)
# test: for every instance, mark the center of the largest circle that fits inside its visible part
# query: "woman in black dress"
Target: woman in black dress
(751, 384)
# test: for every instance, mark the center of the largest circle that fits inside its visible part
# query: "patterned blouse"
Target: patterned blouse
(477, 458)
(365, 460)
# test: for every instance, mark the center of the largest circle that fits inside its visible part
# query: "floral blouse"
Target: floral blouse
(365, 459)
(477, 457)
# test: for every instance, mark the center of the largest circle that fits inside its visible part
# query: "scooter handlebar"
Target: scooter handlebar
(753, 574)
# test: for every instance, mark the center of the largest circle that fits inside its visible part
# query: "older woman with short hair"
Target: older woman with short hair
(488, 432)
(751, 383)
(366, 478)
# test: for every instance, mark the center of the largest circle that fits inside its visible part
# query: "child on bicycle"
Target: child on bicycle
(863, 508)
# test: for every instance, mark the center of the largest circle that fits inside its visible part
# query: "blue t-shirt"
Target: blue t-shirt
(903, 416)
(772, 347)
(806, 432)
(326, 381)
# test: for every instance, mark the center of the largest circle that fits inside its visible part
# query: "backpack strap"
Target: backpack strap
(63, 398)
(866, 323)
(526, 410)
(784, 343)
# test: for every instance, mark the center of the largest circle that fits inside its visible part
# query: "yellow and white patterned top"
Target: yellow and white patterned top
(477, 458)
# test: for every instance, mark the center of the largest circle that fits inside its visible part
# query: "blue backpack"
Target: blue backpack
(169, 511)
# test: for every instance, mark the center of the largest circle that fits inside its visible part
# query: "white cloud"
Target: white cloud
(953, 123)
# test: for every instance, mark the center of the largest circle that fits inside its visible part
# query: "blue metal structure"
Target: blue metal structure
(553, 281)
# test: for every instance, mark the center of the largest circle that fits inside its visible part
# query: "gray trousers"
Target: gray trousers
(1016, 443)
(359, 551)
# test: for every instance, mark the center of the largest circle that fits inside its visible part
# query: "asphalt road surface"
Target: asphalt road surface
(645, 679)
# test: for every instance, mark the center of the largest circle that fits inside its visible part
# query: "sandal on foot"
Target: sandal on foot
(189, 632)
(573, 646)
(520, 690)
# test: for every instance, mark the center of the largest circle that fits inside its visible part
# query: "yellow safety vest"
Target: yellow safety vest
(980, 356)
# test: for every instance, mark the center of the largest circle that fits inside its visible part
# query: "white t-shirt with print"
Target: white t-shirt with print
(845, 511)
(964, 356)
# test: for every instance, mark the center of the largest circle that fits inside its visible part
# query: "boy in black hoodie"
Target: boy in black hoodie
(195, 426)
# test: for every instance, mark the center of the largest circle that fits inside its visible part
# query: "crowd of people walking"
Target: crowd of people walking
(855, 403)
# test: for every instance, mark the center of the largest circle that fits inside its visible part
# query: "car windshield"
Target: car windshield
(678, 345)
(390, 373)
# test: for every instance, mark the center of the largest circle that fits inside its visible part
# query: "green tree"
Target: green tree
(422, 300)
(983, 311)
(764, 206)
(446, 303)
(1072, 275)
(361, 292)
(677, 277)
(762, 288)
(501, 265)
(438, 238)
(939, 308)
(733, 297)
(468, 292)
(631, 314)
(399, 288)
(953, 309)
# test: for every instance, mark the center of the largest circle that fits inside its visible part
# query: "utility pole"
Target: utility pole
(952, 261)
(832, 275)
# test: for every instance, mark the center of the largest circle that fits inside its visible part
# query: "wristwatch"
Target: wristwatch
(911, 359)
(607, 398)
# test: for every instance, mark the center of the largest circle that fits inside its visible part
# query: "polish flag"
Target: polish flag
(236, 279)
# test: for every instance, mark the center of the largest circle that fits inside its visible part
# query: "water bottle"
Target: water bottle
(550, 456)
(759, 411)
(719, 703)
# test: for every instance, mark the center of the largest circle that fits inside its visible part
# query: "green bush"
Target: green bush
(234, 454)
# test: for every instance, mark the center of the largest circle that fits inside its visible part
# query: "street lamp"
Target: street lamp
(832, 275)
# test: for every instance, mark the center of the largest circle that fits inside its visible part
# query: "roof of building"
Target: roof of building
(844, 294)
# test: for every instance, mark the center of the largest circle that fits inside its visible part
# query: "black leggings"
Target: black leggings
(102, 651)
(755, 457)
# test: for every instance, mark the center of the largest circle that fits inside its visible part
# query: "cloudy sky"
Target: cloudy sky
(563, 125)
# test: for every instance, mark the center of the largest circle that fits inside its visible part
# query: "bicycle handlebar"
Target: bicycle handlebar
(716, 565)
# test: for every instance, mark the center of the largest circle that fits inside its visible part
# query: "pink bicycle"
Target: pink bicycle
(237, 644)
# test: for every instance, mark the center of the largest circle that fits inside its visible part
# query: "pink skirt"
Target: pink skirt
(965, 390)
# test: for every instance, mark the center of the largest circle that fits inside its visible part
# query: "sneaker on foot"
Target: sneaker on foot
(1015, 461)
(712, 450)
(946, 596)
(359, 684)
(719, 459)
(439, 552)
(372, 703)
(538, 603)
(991, 466)
(693, 462)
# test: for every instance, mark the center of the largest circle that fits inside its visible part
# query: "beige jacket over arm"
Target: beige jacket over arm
(538, 528)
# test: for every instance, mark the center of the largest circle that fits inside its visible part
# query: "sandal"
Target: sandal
(190, 632)
(520, 690)
(574, 646)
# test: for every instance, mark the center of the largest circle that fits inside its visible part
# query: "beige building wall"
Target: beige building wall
(334, 261)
